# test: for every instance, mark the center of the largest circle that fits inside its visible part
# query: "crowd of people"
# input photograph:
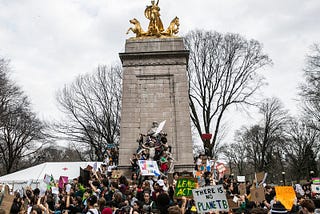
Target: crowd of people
(144, 194)
(104, 192)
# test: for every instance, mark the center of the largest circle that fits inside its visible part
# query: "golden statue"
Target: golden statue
(155, 28)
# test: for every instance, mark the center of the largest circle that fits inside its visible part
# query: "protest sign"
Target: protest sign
(210, 198)
(241, 179)
(221, 168)
(259, 176)
(47, 179)
(7, 199)
(62, 180)
(257, 194)
(55, 190)
(242, 189)
(315, 189)
(84, 176)
(232, 204)
(149, 168)
(316, 180)
(184, 187)
(286, 195)
(116, 174)
(170, 179)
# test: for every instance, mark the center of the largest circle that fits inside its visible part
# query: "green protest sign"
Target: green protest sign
(184, 187)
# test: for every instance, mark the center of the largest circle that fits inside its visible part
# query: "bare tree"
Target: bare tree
(302, 148)
(92, 108)
(21, 132)
(222, 72)
(263, 140)
(310, 91)
(236, 156)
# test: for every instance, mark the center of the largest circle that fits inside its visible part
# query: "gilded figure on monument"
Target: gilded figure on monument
(152, 12)
(155, 28)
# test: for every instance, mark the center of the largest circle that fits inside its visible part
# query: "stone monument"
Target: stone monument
(155, 88)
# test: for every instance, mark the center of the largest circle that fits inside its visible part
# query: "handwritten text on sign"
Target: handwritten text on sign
(210, 198)
(184, 187)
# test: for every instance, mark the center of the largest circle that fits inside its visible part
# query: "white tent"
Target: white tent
(35, 174)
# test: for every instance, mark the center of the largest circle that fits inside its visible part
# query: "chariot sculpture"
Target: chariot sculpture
(155, 28)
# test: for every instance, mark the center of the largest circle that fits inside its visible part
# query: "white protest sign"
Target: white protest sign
(315, 188)
(241, 179)
(210, 198)
(55, 190)
(68, 188)
(43, 189)
(149, 168)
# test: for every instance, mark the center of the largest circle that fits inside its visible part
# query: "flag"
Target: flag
(208, 166)
(62, 180)
(84, 177)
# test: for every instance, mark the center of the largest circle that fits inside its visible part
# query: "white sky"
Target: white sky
(50, 42)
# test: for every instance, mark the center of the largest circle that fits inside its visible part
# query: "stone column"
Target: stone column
(155, 88)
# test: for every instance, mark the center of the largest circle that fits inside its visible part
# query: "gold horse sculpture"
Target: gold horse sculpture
(155, 28)
(137, 29)
(170, 31)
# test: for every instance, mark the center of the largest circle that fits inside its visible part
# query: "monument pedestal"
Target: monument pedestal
(155, 88)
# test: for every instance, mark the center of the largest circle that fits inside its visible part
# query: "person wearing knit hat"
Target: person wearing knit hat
(278, 208)
(107, 210)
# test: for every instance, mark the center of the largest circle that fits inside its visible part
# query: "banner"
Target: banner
(149, 168)
(210, 198)
(184, 187)
(286, 195)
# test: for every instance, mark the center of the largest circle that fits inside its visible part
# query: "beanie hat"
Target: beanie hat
(107, 210)
(278, 208)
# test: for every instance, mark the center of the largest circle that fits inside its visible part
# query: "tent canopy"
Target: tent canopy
(37, 173)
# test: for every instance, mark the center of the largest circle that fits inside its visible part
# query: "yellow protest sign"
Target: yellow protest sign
(286, 195)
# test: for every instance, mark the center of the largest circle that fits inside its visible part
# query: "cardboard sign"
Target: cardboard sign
(149, 168)
(241, 179)
(257, 194)
(286, 195)
(242, 189)
(259, 176)
(184, 187)
(116, 174)
(210, 198)
(170, 179)
(315, 189)
(232, 203)
(7, 200)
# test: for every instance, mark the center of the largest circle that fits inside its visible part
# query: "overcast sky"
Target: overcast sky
(50, 42)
